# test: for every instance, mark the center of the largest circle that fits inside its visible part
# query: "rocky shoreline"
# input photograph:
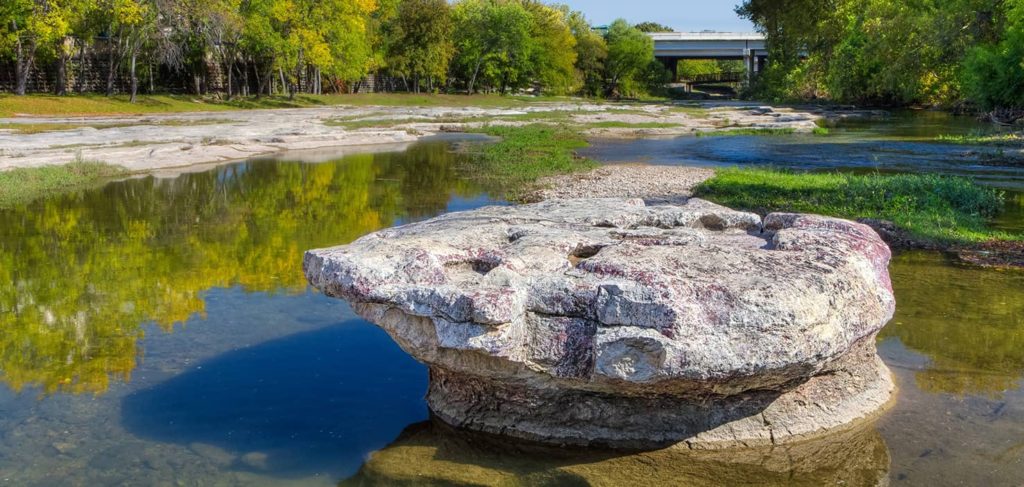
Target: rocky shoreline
(159, 142)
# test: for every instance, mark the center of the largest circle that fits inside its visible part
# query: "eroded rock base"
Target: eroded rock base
(826, 403)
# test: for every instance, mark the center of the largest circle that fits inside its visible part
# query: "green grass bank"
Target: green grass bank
(19, 186)
(931, 209)
(85, 105)
(523, 155)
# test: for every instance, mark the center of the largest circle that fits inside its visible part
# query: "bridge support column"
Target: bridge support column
(749, 64)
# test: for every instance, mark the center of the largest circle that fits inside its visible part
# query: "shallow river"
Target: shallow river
(160, 332)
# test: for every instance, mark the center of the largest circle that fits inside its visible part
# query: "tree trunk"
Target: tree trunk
(228, 69)
(80, 82)
(245, 76)
(135, 79)
(24, 56)
(476, 70)
(60, 84)
(112, 62)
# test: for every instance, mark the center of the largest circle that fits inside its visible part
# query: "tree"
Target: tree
(420, 40)
(552, 50)
(629, 52)
(591, 52)
(993, 74)
(25, 25)
(648, 27)
(493, 41)
(223, 30)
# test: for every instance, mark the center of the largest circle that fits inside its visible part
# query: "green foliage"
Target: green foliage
(929, 207)
(526, 154)
(652, 27)
(512, 45)
(630, 52)
(692, 68)
(18, 186)
(871, 51)
(591, 53)
(420, 40)
(289, 46)
(993, 74)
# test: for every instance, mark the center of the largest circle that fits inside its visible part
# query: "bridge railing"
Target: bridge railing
(720, 77)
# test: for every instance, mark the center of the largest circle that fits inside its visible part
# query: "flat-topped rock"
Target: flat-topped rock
(606, 321)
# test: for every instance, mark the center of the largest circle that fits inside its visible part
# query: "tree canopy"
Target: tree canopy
(936, 52)
(243, 47)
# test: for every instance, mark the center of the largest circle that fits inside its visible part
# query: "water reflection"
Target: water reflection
(431, 453)
(80, 273)
(968, 321)
(903, 143)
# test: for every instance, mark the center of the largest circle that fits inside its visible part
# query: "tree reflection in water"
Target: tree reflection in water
(80, 273)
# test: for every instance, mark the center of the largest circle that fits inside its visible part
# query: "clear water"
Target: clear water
(159, 332)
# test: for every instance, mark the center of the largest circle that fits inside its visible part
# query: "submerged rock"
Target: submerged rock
(609, 322)
(431, 453)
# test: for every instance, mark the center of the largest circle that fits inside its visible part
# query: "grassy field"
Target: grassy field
(930, 208)
(525, 154)
(118, 105)
(19, 186)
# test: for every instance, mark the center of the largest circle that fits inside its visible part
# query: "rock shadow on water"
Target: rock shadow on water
(311, 403)
(433, 453)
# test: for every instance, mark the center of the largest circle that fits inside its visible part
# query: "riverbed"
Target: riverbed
(158, 331)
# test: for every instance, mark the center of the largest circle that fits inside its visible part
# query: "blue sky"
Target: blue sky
(683, 15)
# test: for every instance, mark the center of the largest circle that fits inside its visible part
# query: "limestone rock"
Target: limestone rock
(606, 321)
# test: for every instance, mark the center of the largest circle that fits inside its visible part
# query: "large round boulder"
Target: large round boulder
(610, 322)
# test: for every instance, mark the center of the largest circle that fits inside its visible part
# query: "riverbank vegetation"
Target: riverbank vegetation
(885, 52)
(320, 46)
(23, 185)
(523, 155)
(931, 209)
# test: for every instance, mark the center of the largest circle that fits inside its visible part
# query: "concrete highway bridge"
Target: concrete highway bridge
(670, 47)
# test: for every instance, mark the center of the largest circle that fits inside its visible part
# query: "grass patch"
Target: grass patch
(982, 139)
(526, 154)
(748, 131)
(820, 131)
(23, 185)
(38, 128)
(635, 125)
(930, 208)
(386, 123)
(692, 111)
(537, 116)
(11, 105)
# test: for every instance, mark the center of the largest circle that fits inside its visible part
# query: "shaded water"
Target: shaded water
(159, 331)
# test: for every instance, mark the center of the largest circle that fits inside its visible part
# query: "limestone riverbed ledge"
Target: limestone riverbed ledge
(608, 322)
